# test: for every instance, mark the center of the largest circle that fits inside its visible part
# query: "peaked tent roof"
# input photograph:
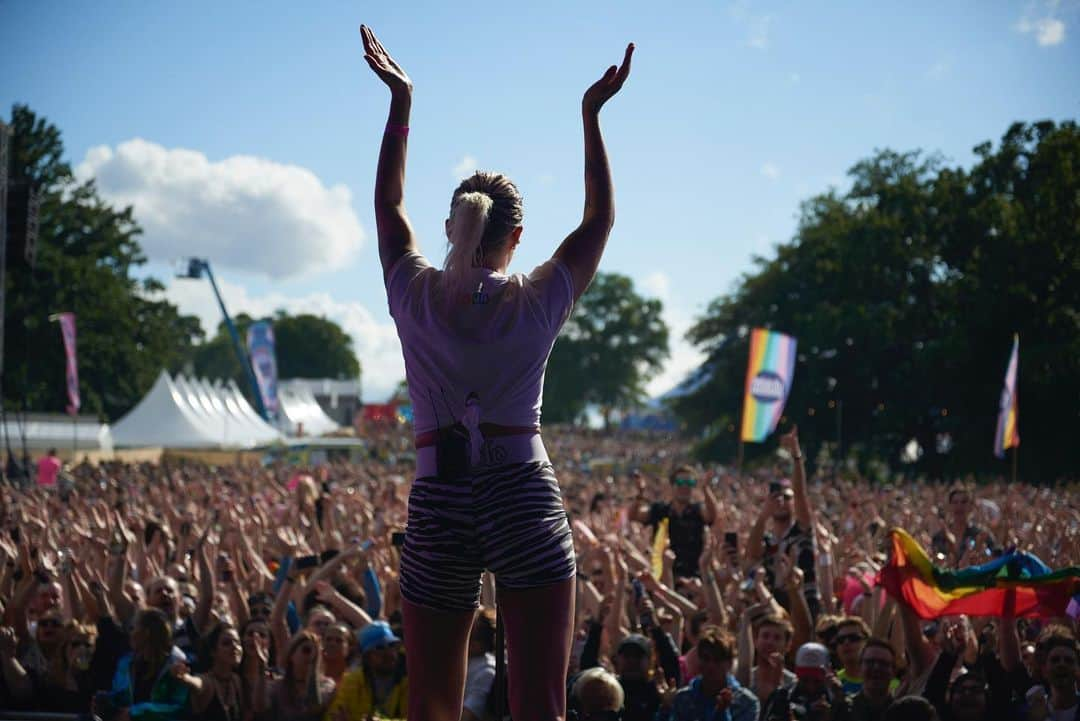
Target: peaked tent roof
(298, 406)
(188, 413)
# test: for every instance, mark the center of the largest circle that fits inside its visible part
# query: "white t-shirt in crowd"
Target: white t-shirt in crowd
(479, 677)
(494, 344)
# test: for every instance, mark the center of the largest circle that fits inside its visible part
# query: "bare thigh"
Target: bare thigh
(436, 656)
(539, 625)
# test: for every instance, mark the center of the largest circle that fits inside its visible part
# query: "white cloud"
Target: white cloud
(1042, 23)
(242, 212)
(376, 344)
(466, 166)
(754, 24)
(770, 171)
(657, 284)
(684, 357)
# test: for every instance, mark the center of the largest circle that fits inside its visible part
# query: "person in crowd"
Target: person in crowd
(715, 691)
(687, 519)
(790, 513)
(1058, 699)
(48, 468)
(475, 343)
(218, 693)
(597, 696)
(851, 635)
(337, 648)
(379, 685)
(959, 534)
(877, 666)
(772, 641)
(144, 688)
(911, 708)
(480, 672)
(304, 692)
(814, 696)
(256, 670)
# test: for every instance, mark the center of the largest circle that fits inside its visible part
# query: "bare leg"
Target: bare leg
(539, 626)
(436, 656)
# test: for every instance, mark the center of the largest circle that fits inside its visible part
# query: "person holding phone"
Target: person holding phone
(476, 342)
(788, 510)
(687, 518)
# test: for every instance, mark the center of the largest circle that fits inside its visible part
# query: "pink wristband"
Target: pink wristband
(402, 131)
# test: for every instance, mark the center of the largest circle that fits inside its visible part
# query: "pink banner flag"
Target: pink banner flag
(67, 329)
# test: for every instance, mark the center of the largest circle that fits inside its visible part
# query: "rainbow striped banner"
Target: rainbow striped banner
(1008, 435)
(1016, 584)
(768, 382)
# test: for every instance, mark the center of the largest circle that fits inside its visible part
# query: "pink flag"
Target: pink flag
(67, 329)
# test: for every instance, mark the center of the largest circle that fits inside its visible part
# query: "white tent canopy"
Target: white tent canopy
(192, 413)
(43, 431)
(299, 408)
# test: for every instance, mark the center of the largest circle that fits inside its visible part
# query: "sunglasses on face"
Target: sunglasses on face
(686, 482)
(81, 644)
(383, 646)
(335, 639)
(50, 623)
(849, 638)
(968, 689)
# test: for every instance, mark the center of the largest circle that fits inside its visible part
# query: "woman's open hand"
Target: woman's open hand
(384, 65)
(605, 88)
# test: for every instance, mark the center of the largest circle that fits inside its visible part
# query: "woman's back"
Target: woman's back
(495, 345)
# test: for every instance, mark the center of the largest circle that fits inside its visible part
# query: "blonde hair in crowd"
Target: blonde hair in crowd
(484, 209)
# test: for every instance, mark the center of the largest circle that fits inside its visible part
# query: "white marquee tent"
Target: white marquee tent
(190, 413)
(300, 411)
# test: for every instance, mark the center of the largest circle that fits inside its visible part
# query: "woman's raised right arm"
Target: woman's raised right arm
(395, 231)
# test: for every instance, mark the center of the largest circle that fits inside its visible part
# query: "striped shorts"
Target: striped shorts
(508, 519)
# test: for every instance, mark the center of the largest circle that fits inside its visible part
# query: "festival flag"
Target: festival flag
(67, 330)
(768, 381)
(1008, 435)
(982, 590)
(260, 339)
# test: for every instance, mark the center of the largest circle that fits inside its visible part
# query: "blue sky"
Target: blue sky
(248, 132)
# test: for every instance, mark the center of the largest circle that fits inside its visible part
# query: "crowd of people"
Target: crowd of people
(185, 591)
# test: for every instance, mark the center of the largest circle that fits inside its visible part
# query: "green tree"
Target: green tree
(306, 346)
(87, 251)
(613, 343)
(904, 294)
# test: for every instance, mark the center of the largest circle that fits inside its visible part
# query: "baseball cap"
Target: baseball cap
(811, 660)
(635, 642)
(376, 634)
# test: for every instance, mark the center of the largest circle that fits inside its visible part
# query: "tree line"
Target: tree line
(904, 293)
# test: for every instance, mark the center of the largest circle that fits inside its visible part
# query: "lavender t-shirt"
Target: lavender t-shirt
(494, 344)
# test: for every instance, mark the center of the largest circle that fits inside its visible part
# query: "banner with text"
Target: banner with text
(260, 339)
(769, 372)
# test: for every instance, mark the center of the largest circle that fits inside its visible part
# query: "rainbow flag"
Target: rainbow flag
(768, 382)
(977, 590)
(1007, 435)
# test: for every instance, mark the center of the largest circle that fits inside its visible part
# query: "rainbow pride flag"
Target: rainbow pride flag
(1007, 435)
(982, 590)
(768, 382)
